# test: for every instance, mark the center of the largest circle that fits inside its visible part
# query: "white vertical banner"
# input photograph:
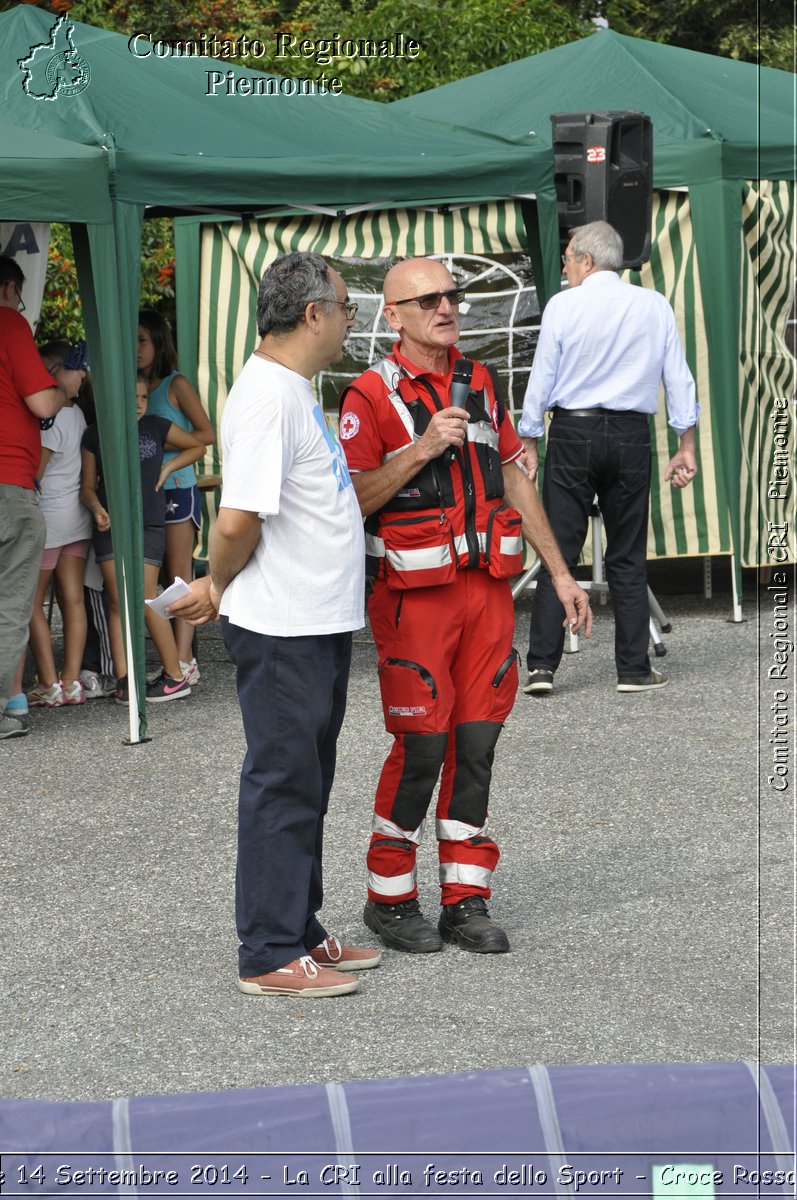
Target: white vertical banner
(27, 242)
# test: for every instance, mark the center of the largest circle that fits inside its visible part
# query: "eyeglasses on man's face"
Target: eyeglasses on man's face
(350, 306)
(432, 299)
(566, 258)
(20, 301)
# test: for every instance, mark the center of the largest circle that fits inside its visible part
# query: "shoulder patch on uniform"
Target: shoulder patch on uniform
(349, 426)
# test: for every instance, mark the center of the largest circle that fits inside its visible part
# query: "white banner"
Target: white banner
(27, 242)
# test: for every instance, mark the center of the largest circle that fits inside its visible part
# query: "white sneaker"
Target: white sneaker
(96, 686)
(190, 671)
(42, 697)
(74, 692)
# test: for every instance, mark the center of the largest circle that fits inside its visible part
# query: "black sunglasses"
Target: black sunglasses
(432, 299)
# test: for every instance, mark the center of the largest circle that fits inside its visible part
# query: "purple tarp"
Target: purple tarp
(655, 1130)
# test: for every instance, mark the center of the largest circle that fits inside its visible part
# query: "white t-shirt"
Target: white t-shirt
(67, 520)
(280, 460)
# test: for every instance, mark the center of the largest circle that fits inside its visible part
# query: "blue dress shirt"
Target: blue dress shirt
(608, 344)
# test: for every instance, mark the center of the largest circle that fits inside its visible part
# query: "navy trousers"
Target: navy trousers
(292, 692)
(606, 455)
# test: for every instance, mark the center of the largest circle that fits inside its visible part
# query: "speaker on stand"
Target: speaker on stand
(603, 171)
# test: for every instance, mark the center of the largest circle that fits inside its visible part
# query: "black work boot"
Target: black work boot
(402, 926)
(468, 924)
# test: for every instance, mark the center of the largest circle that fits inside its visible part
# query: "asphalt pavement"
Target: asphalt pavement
(646, 884)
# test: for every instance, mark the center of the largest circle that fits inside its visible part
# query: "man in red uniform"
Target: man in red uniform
(27, 393)
(445, 500)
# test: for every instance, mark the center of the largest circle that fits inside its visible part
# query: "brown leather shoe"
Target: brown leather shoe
(331, 953)
(302, 977)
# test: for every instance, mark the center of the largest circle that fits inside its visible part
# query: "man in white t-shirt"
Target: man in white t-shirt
(286, 575)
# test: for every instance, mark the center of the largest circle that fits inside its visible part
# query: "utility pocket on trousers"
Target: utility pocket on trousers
(568, 461)
(419, 551)
(409, 696)
(634, 465)
(505, 684)
(503, 551)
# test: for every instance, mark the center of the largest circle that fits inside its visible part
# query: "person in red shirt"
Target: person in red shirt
(434, 460)
(28, 394)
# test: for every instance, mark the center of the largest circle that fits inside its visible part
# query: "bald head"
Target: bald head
(416, 277)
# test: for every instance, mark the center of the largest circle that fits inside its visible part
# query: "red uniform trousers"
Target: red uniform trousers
(448, 676)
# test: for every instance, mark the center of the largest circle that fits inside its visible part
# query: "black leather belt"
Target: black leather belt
(579, 412)
(596, 412)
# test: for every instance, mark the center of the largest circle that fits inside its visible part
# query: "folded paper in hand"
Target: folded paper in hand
(174, 592)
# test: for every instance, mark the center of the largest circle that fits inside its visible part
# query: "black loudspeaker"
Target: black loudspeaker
(603, 170)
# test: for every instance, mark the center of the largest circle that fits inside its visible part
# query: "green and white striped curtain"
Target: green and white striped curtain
(689, 521)
(767, 374)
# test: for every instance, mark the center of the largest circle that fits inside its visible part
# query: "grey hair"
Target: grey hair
(287, 287)
(602, 241)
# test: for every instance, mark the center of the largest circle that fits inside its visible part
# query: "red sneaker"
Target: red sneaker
(302, 977)
(344, 958)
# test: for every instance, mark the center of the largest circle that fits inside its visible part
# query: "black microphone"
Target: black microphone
(460, 382)
(460, 388)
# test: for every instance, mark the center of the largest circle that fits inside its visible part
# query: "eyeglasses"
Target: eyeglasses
(20, 301)
(432, 299)
(566, 258)
(350, 306)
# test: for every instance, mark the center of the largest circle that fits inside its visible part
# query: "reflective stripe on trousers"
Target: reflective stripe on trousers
(472, 877)
(390, 888)
(381, 825)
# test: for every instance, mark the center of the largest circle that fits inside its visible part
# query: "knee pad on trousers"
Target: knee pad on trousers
(473, 768)
(423, 758)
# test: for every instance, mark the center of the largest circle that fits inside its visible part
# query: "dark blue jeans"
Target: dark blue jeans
(292, 692)
(606, 455)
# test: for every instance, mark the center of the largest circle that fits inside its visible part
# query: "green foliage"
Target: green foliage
(458, 37)
(762, 33)
(456, 40)
(172, 19)
(770, 46)
(61, 314)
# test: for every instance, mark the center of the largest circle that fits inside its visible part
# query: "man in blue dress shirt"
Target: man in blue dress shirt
(604, 348)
